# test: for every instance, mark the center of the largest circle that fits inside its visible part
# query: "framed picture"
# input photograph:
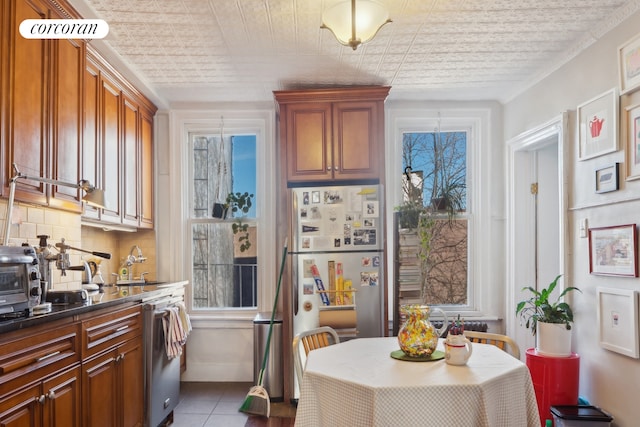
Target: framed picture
(618, 320)
(598, 125)
(629, 65)
(632, 153)
(607, 179)
(612, 250)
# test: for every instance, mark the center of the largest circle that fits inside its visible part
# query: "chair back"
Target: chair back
(501, 341)
(307, 341)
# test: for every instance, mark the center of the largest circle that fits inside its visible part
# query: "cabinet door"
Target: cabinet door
(357, 143)
(131, 368)
(308, 136)
(100, 391)
(68, 71)
(130, 163)
(91, 155)
(62, 399)
(22, 409)
(110, 135)
(25, 102)
(146, 170)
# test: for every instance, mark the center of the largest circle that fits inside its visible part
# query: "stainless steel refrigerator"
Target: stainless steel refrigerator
(337, 233)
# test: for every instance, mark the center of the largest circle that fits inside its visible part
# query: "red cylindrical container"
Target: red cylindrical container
(555, 380)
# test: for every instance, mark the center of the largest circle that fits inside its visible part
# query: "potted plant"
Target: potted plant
(549, 321)
(240, 203)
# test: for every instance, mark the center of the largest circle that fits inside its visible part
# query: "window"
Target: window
(223, 229)
(435, 165)
(484, 207)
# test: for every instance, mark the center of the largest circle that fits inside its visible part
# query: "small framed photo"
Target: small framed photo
(607, 178)
(618, 320)
(598, 125)
(612, 251)
(629, 65)
(632, 153)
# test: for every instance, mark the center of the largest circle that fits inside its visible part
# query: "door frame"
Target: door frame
(520, 223)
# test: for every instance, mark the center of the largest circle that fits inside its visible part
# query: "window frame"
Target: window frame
(260, 124)
(483, 261)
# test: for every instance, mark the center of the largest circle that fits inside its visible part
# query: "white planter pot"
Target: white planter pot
(553, 339)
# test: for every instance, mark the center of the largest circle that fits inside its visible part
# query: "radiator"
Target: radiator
(468, 326)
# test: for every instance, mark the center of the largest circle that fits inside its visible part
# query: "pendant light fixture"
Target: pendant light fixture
(355, 22)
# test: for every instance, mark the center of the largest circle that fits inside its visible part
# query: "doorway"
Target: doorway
(536, 217)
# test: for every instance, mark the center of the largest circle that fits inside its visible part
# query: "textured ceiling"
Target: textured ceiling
(243, 50)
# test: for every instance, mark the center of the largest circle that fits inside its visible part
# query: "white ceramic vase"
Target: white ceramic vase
(553, 339)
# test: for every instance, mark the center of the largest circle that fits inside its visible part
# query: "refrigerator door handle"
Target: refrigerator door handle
(294, 282)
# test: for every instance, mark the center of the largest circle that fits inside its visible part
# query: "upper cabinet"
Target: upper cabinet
(118, 146)
(26, 75)
(67, 114)
(332, 134)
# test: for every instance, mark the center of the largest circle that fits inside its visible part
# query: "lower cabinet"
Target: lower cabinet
(82, 373)
(113, 387)
(55, 401)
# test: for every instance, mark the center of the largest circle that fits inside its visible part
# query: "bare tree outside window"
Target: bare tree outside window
(436, 181)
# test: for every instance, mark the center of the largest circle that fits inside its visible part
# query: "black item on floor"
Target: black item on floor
(579, 415)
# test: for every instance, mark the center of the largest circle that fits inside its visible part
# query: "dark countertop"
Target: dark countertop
(109, 296)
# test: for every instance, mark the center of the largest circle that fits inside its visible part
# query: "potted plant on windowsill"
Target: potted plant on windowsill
(549, 321)
(240, 203)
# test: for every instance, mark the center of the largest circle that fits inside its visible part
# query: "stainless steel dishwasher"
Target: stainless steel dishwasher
(162, 375)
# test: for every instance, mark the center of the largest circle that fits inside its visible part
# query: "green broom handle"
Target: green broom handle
(273, 313)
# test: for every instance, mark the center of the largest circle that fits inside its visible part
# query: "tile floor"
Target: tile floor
(217, 404)
(211, 404)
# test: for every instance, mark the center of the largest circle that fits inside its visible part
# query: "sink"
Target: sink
(138, 282)
(134, 282)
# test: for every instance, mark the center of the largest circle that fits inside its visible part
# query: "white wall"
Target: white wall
(607, 379)
(220, 347)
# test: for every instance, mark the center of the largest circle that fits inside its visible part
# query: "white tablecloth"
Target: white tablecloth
(357, 383)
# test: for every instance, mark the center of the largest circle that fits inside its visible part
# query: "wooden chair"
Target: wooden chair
(310, 340)
(501, 341)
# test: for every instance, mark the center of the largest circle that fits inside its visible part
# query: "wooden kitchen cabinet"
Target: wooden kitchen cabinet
(335, 134)
(67, 114)
(130, 160)
(25, 99)
(40, 377)
(113, 369)
(145, 196)
(41, 106)
(113, 387)
(118, 147)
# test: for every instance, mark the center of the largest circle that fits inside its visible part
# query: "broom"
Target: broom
(257, 401)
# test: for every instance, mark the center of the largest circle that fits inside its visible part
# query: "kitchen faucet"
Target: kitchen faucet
(131, 259)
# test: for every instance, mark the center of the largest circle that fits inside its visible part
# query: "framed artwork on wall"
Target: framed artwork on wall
(629, 65)
(598, 125)
(607, 178)
(618, 320)
(632, 152)
(613, 251)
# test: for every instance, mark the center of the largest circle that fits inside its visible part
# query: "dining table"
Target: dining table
(359, 383)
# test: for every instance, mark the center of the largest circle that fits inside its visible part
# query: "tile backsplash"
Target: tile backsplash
(31, 221)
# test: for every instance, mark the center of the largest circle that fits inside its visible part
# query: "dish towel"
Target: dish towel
(176, 325)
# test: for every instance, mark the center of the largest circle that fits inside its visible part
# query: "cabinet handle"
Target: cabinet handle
(41, 399)
(51, 395)
(335, 168)
(329, 167)
(122, 328)
(118, 357)
(47, 356)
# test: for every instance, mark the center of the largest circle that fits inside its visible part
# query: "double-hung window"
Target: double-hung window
(223, 223)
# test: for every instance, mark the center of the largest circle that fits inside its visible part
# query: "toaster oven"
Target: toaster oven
(19, 278)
